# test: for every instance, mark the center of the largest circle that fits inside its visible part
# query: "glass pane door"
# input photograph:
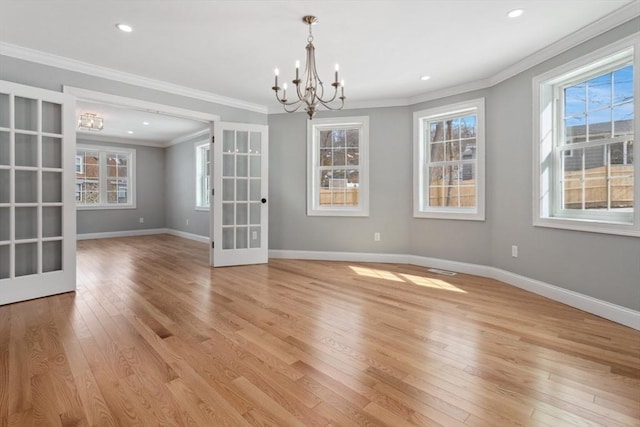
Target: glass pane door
(240, 178)
(37, 224)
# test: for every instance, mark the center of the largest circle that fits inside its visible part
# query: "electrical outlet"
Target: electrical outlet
(141, 220)
(376, 236)
(514, 251)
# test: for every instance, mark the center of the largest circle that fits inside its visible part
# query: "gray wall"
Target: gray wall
(603, 266)
(52, 78)
(150, 160)
(150, 196)
(180, 190)
(465, 241)
(390, 176)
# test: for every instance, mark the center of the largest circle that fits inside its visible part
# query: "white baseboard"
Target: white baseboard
(339, 256)
(127, 233)
(607, 310)
(457, 266)
(190, 236)
(132, 233)
(613, 312)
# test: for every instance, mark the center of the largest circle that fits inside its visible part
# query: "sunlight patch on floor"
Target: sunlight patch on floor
(379, 274)
(427, 282)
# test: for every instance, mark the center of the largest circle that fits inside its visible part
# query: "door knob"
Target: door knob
(264, 200)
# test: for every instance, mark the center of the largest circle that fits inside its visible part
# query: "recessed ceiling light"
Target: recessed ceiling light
(145, 123)
(515, 13)
(424, 78)
(129, 132)
(124, 28)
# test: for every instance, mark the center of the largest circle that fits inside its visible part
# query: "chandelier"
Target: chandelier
(90, 122)
(309, 90)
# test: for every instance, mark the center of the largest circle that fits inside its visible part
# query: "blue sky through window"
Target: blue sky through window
(601, 99)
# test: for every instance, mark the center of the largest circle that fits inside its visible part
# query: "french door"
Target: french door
(37, 205)
(240, 200)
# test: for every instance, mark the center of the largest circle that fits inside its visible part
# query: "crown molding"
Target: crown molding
(45, 58)
(119, 140)
(179, 140)
(614, 19)
(450, 91)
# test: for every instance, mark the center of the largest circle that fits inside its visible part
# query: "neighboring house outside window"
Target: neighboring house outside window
(338, 167)
(449, 161)
(104, 177)
(585, 129)
(203, 176)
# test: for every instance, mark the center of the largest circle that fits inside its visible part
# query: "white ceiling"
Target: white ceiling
(230, 48)
(161, 129)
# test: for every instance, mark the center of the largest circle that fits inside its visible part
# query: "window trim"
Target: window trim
(419, 161)
(313, 128)
(103, 149)
(545, 186)
(199, 147)
(81, 164)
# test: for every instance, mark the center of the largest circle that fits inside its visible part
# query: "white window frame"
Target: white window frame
(547, 134)
(421, 161)
(102, 176)
(203, 196)
(313, 163)
(79, 163)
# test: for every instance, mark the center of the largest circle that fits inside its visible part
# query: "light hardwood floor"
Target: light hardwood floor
(153, 336)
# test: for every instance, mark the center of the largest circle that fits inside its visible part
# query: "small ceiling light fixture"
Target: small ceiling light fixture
(515, 13)
(146, 123)
(90, 122)
(425, 78)
(125, 28)
(130, 132)
(309, 89)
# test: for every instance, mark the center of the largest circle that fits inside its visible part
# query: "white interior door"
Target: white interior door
(240, 200)
(37, 204)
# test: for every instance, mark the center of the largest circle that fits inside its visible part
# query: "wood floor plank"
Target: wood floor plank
(5, 336)
(155, 336)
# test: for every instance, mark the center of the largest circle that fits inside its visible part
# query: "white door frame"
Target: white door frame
(139, 104)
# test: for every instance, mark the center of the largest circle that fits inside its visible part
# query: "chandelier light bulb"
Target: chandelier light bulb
(277, 72)
(297, 64)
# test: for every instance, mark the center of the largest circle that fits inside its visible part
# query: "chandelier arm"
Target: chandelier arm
(285, 104)
(335, 94)
(329, 107)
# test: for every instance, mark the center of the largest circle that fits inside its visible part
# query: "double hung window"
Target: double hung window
(449, 161)
(104, 177)
(586, 157)
(338, 174)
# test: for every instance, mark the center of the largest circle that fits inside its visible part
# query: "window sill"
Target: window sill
(104, 207)
(202, 208)
(588, 226)
(454, 215)
(338, 212)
